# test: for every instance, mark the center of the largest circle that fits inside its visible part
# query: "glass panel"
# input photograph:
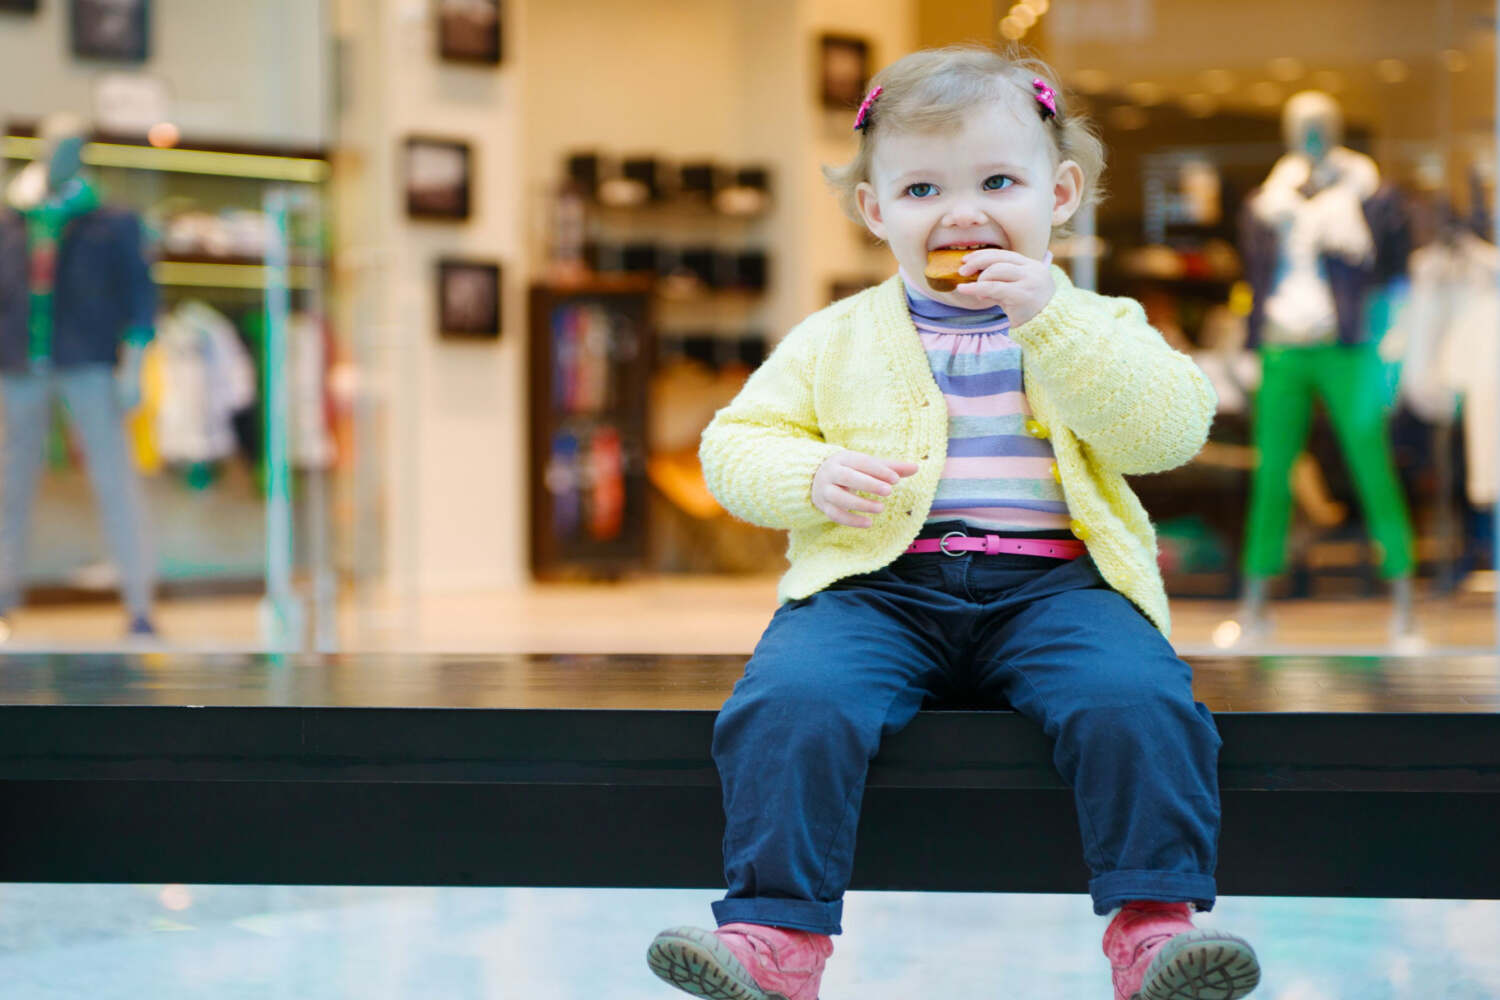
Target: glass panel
(1197, 104)
(198, 115)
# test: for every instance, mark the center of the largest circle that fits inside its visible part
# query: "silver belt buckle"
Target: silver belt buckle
(943, 543)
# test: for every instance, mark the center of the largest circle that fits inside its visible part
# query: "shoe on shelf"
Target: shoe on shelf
(1155, 953)
(741, 961)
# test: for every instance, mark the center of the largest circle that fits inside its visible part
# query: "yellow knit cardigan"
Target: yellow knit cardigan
(1105, 388)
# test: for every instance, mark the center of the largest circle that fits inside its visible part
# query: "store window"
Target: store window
(1302, 196)
(169, 428)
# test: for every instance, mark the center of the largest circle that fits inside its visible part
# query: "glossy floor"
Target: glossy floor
(179, 942)
(689, 614)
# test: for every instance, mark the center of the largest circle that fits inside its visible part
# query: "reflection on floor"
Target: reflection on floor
(722, 614)
(179, 942)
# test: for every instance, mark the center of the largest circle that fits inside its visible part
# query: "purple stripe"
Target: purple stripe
(961, 503)
(919, 304)
(999, 446)
(982, 384)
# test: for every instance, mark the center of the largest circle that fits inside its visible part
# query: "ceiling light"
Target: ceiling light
(163, 135)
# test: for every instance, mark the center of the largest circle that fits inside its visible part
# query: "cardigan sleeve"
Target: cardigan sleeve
(760, 453)
(1136, 403)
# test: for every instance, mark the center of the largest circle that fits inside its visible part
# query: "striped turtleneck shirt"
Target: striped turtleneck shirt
(998, 477)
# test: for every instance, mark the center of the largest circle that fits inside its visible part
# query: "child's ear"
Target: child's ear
(869, 209)
(1067, 191)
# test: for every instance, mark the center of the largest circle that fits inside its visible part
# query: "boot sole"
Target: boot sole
(697, 962)
(1202, 965)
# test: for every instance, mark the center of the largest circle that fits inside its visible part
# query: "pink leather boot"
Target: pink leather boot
(1155, 953)
(741, 961)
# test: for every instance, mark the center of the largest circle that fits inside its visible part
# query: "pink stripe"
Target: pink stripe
(934, 335)
(998, 468)
(1029, 519)
(1002, 404)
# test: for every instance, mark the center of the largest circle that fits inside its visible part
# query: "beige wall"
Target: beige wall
(449, 439)
(249, 70)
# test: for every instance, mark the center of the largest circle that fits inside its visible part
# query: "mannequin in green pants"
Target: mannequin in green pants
(1311, 256)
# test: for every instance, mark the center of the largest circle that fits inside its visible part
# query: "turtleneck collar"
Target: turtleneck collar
(929, 308)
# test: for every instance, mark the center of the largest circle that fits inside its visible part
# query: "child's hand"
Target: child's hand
(844, 472)
(1020, 285)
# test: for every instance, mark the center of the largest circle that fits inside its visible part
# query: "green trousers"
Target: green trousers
(1350, 383)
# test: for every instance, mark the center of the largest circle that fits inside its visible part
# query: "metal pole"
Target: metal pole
(281, 613)
(319, 555)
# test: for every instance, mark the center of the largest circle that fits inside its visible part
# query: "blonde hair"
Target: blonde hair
(931, 90)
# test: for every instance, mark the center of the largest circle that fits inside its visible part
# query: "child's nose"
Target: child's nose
(964, 215)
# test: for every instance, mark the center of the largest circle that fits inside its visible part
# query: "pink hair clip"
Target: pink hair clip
(1046, 97)
(862, 118)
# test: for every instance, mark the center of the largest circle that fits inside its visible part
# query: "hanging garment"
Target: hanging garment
(140, 423)
(1448, 340)
(307, 367)
(208, 377)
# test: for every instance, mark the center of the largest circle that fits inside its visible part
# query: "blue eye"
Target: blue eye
(998, 182)
(921, 189)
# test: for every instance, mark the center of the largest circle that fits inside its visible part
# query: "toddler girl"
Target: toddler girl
(950, 466)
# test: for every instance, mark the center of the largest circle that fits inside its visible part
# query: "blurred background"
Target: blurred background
(392, 325)
(443, 292)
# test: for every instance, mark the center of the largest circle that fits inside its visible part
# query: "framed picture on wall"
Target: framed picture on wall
(439, 176)
(844, 69)
(468, 296)
(469, 30)
(112, 29)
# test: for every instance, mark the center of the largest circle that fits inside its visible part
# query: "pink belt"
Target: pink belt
(956, 542)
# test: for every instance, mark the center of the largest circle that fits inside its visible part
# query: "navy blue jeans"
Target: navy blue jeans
(836, 671)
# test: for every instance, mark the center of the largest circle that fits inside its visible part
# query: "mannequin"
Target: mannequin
(1318, 238)
(74, 287)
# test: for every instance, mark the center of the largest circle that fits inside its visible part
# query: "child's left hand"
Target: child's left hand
(1020, 285)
